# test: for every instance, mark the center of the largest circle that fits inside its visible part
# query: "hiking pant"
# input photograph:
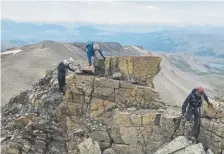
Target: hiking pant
(194, 114)
(94, 60)
(61, 82)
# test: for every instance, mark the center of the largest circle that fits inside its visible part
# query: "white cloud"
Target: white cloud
(110, 12)
(153, 7)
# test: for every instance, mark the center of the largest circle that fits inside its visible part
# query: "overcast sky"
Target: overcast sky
(177, 13)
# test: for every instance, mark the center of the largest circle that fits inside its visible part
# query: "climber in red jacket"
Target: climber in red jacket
(193, 105)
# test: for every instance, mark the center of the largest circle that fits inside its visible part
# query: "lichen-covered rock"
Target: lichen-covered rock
(178, 143)
(99, 106)
(32, 127)
(109, 151)
(127, 149)
(10, 149)
(141, 69)
(119, 92)
(117, 76)
(213, 112)
(181, 145)
(212, 135)
(141, 128)
(193, 149)
(88, 146)
(102, 137)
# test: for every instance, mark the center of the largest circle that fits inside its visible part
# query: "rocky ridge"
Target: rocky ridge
(22, 67)
(102, 115)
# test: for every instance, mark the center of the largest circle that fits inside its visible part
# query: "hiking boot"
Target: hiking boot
(60, 89)
(193, 139)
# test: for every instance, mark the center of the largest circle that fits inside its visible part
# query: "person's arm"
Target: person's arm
(185, 104)
(207, 100)
(71, 69)
(89, 54)
(101, 53)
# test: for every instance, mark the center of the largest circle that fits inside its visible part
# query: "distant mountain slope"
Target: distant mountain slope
(186, 41)
(180, 73)
(207, 41)
(24, 68)
(15, 44)
(113, 49)
(21, 70)
(140, 49)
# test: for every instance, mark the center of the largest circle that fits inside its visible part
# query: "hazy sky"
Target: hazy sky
(97, 12)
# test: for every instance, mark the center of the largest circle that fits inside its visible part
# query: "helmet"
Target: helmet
(96, 46)
(201, 90)
(65, 62)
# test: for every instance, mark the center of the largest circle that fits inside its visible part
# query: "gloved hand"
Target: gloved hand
(90, 64)
(210, 104)
(104, 58)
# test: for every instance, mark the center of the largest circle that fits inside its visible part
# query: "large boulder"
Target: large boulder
(89, 146)
(181, 145)
(109, 151)
(143, 129)
(137, 69)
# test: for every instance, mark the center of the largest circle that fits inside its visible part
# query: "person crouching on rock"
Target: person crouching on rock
(91, 48)
(193, 105)
(62, 71)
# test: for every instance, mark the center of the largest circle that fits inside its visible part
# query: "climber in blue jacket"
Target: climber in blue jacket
(91, 48)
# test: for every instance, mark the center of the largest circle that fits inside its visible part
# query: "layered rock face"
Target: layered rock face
(135, 69)
(117, 112)
(141, 69)
(99, 115)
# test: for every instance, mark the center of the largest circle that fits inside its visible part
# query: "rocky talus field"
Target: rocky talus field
(118, 112)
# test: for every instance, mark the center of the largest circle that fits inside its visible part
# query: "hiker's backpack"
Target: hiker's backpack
(88, 44)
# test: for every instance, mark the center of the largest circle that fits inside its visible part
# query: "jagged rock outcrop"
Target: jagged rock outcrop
(140, 69)
(108, 105)
(114, 116)
(29, 123)
(181, 145)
